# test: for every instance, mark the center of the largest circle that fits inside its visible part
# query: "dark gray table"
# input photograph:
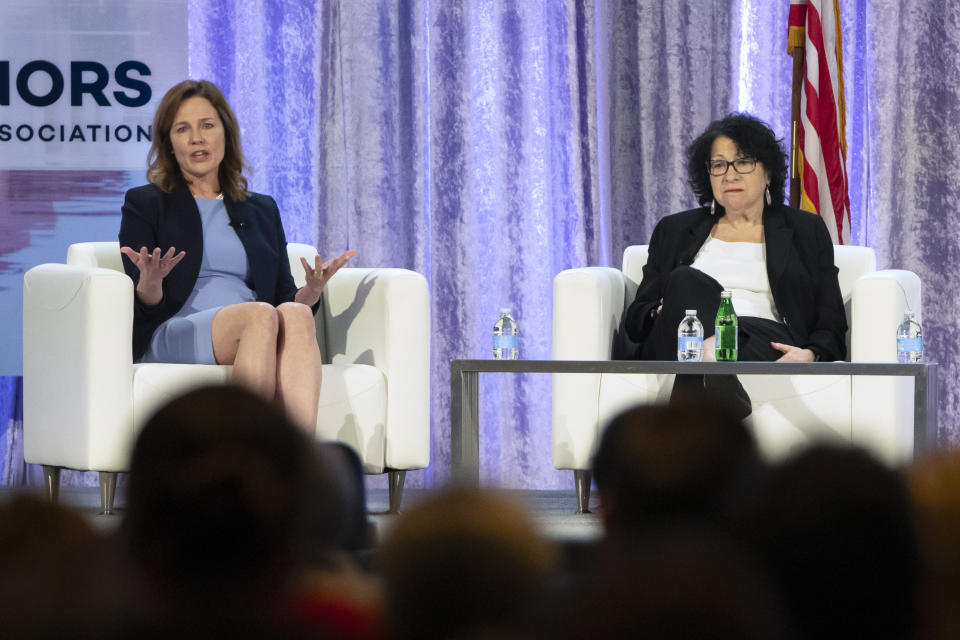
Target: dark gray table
(465, 391)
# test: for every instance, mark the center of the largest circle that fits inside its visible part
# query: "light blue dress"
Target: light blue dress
(186, 337)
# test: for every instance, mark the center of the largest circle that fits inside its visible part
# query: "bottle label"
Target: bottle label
(726, 343)
(726, 336)
(689, 343)
(506, 342)
(908, 345)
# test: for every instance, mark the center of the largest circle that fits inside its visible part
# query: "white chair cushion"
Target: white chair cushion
(156, 384)
(821, 404)
(790, 411)
(351, 408)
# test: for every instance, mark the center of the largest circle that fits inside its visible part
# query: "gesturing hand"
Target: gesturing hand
(154, 267)
(319, 274)
(792, 353)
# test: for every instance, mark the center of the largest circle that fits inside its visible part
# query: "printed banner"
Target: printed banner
(79, 81)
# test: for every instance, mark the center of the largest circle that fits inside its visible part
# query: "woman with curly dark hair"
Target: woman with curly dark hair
(777, 261)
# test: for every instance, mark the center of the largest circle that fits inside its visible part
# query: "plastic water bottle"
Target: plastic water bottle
(690, 338)
(506, 341)
(909, 340)
(725, 329)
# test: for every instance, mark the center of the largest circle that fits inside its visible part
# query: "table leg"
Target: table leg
(464, 427)
(925, 411)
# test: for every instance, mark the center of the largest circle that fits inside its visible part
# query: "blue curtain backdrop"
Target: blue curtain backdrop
(491, 144)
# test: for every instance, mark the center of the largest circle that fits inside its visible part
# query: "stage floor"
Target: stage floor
(553, 512)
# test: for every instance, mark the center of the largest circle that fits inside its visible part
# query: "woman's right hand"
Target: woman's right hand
(154, 267)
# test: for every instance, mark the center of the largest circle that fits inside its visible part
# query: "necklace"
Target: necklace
(194, 193)
(219, 196)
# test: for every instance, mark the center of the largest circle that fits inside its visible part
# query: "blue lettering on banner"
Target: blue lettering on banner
(4, 82)
(86, 77)
(42, 83)
(95, 88)
(122, 76)
(23, 86)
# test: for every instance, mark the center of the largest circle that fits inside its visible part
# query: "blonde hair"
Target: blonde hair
(162, 167)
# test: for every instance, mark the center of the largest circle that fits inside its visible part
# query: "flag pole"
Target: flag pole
(798, 57)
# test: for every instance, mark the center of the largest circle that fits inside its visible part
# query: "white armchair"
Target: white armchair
(85, 399)
(875, 412)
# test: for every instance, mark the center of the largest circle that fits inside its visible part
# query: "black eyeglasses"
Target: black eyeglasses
(719, 167)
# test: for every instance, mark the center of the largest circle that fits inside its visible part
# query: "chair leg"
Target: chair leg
(581, 479)
(395, 480)
(108, 488)
(51, 481)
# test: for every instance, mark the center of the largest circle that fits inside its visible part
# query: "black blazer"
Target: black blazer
(152, 218)
(800, 267)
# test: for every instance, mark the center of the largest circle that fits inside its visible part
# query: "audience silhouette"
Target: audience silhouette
(835, 530)
(54, 574)
(237, 525)
(934, 484)
(658, 464)
(466, 564)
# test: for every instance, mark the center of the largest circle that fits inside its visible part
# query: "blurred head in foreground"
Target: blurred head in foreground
(216, 501)
(677, 581)
(935, 486)
(834, 529)
(54, 580)
(467, 563)
(658, 464)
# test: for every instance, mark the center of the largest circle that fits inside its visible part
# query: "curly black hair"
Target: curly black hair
(754, 139)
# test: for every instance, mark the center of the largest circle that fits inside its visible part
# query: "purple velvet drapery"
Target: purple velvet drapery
(490, 144)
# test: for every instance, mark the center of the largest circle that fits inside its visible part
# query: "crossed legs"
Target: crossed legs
(274, 353)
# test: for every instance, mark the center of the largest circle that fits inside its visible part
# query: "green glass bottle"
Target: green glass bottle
(725, 330)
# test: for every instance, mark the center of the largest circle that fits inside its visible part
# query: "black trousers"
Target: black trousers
(689, 288)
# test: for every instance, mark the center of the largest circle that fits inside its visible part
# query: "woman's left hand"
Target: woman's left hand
(318, 275)
(792, 353)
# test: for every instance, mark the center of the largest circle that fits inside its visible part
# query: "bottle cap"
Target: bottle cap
(691, 312)
(505, 310)
(726, 293)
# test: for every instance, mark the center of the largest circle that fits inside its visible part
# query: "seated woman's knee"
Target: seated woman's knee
(262, 315)
(298, 317)
(682, 274)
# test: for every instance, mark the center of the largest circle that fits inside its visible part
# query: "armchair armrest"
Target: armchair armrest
(882, 408)
(879, 302)
(381, 317)
(77, 366)
(587, 306)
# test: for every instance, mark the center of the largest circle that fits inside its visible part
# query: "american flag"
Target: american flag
(821, 145)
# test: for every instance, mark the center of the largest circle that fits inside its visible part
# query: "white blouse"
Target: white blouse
(740, 267)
